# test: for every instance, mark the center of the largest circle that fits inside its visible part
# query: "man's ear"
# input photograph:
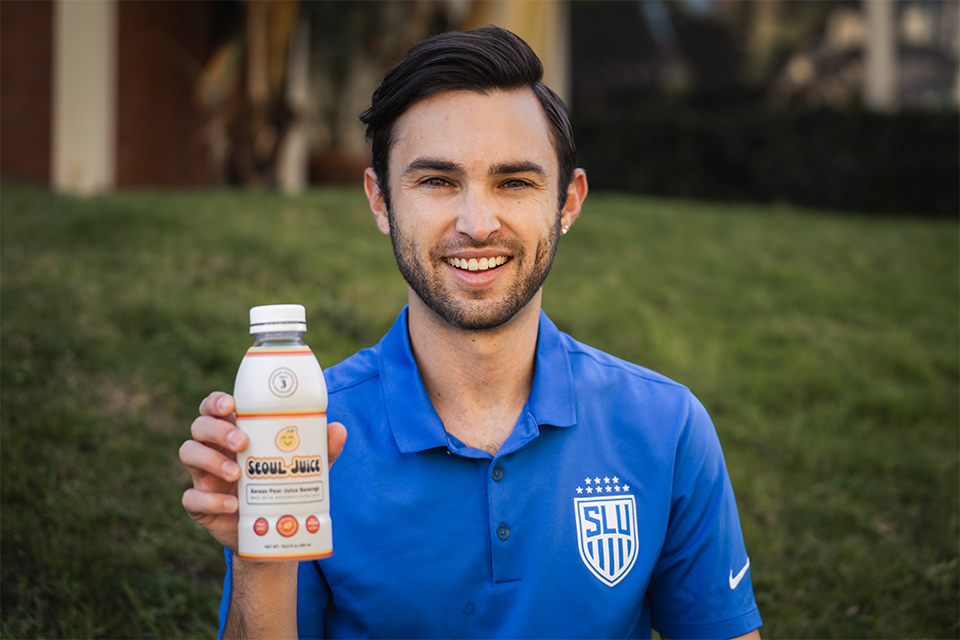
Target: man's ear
(378, 205)
(576, 194)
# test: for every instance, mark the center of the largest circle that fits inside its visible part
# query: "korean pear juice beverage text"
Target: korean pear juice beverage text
(281, 401)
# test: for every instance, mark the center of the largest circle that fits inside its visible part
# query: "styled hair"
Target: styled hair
(481, 60)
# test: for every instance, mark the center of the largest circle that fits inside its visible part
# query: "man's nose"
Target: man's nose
(478, 216)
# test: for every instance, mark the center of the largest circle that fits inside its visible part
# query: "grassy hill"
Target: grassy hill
(825, 348)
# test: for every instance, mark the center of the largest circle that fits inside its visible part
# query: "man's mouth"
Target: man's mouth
(476, 264)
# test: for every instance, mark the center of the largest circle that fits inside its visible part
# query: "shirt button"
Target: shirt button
(497, 474)
(503, 532)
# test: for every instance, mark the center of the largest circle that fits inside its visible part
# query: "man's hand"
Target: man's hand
(211, 459)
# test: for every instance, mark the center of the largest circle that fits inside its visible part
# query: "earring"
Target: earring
(564, 229)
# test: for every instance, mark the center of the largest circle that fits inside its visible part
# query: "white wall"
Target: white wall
(881, 89)
(84, 95)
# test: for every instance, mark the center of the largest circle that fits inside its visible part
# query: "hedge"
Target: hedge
(908, 163)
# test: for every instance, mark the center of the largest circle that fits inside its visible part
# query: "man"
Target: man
(502, 479)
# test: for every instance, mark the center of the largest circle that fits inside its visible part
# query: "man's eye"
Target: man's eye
(435, 182)
(515, 184)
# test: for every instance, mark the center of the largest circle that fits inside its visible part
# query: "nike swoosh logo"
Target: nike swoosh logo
(734, 581)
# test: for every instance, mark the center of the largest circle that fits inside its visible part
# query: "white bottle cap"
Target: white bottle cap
(269, 318)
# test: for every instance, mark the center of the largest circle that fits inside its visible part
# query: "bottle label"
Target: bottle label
(283, 490)
(261, 472)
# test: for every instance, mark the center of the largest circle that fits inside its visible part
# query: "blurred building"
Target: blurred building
(834, 104)
(884, 55)
(888, 55)
(97, 95)
(103, 94)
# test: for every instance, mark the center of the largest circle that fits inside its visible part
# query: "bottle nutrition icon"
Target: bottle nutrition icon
(281, 401)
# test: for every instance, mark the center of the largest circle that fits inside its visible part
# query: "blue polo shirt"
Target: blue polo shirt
(606, 511)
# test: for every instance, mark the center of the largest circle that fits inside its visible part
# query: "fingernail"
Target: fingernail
(231, 469)
(235, 439)
(222, 404)
(230, 504)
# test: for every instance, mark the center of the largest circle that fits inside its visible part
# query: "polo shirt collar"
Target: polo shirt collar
(415, 423)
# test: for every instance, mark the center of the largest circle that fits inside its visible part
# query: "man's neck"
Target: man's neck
(478, 381)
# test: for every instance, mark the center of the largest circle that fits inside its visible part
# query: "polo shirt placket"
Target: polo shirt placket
(552, 396)
(552, 404)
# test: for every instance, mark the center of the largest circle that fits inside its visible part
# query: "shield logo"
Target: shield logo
(607, 536)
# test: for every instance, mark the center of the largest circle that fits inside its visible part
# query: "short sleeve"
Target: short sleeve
(701, 583)
(227, 590)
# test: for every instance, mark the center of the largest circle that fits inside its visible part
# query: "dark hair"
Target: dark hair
(481, 60)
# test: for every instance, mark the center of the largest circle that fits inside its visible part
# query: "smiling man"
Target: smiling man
(501, 479)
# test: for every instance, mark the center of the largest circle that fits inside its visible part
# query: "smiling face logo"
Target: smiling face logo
(288, 439)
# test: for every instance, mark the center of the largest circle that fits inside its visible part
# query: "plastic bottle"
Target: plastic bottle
(281, 401)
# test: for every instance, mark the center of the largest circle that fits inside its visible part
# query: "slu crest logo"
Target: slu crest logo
(607, 535)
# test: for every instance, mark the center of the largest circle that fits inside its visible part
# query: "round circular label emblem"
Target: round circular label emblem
(283, 382)
(288, 439)
(287, 526)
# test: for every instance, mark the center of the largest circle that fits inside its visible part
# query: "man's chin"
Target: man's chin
(467, 317)
(485, 309)
(478, 315)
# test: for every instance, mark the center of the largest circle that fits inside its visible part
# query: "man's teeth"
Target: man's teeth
(473, 264)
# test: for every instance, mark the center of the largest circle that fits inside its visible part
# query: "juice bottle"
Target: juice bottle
(281, 401)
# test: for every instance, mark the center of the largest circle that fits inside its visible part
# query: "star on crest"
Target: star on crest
(605, 484)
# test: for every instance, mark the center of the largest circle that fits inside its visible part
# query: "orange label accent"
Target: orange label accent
(280, 414)
(292, 556)
(279, 352)
(287, 526)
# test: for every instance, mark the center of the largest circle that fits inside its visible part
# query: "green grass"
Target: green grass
(827, 350)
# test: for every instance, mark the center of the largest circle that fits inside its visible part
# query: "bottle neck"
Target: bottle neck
(279, 339)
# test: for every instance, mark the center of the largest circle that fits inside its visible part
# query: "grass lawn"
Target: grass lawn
(827, 349)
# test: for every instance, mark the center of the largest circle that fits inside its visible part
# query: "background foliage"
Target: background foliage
(907, 163)
(824, 347)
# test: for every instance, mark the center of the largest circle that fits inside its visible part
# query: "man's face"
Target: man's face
(474, 219)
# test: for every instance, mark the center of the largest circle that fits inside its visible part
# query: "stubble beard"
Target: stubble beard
(476, 312)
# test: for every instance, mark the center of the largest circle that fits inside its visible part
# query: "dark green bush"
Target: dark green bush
(908, 163)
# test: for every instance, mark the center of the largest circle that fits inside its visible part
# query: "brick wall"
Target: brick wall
(160, 49)
(26, 53)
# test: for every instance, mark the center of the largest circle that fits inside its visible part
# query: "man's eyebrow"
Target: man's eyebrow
(505, 168)
(433, 164)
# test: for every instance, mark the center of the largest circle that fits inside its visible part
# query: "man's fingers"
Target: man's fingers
(219, 433)
(218, 404)
(198, 503)
(336, 436)
(200, 459)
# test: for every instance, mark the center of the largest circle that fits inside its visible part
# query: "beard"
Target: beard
(475, 312)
